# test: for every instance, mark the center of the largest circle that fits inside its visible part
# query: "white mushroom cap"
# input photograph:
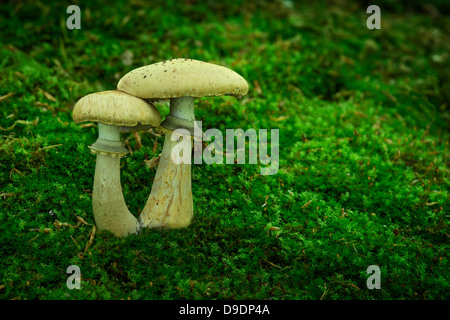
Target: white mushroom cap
(182, 78)
(115, 107)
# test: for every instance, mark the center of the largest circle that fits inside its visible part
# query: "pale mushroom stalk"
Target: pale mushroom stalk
(108, 203)
(114, 111)
(170, 203)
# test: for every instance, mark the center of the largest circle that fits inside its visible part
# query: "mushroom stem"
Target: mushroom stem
(182, 108)
(108, 204)
(170, 204)
(181, 115)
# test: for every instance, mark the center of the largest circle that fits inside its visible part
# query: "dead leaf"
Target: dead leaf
(257, 87)
(272, 264)
(43, 104)
(265, 201)
(20, 75)
(347, 60)
(91, 239)
(48, 95)
(65, 123)
(431, 204)
(10, 47)
(58, 224)
(45, 230)
(279, 118)
(138, 140)
(155, 144)
(6, 96)
(152, 162)
(82, 221)
(306, 204)
(360, 114)
(51, 147)
(26, 122)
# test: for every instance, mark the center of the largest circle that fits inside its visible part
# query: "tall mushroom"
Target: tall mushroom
(170, 202)
(113, 110)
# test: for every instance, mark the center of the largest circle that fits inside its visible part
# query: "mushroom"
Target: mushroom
(170, 203)
(113, 110)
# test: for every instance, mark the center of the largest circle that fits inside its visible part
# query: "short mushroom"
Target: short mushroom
(170, 203)
(113, 110)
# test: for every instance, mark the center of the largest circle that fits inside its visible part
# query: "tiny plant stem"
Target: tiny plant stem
(108, 203)
(170, 203)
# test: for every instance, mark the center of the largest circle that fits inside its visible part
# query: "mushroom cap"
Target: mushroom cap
(115, 107)
(182, 78)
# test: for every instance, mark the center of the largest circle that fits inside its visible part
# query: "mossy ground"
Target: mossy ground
(363, 173)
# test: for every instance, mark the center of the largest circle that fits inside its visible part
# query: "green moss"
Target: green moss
(363, 176)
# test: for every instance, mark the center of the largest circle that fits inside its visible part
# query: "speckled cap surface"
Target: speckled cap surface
(182, 78)
(115, 107)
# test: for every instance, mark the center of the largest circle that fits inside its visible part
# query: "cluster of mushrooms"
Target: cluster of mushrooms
(130, 108)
